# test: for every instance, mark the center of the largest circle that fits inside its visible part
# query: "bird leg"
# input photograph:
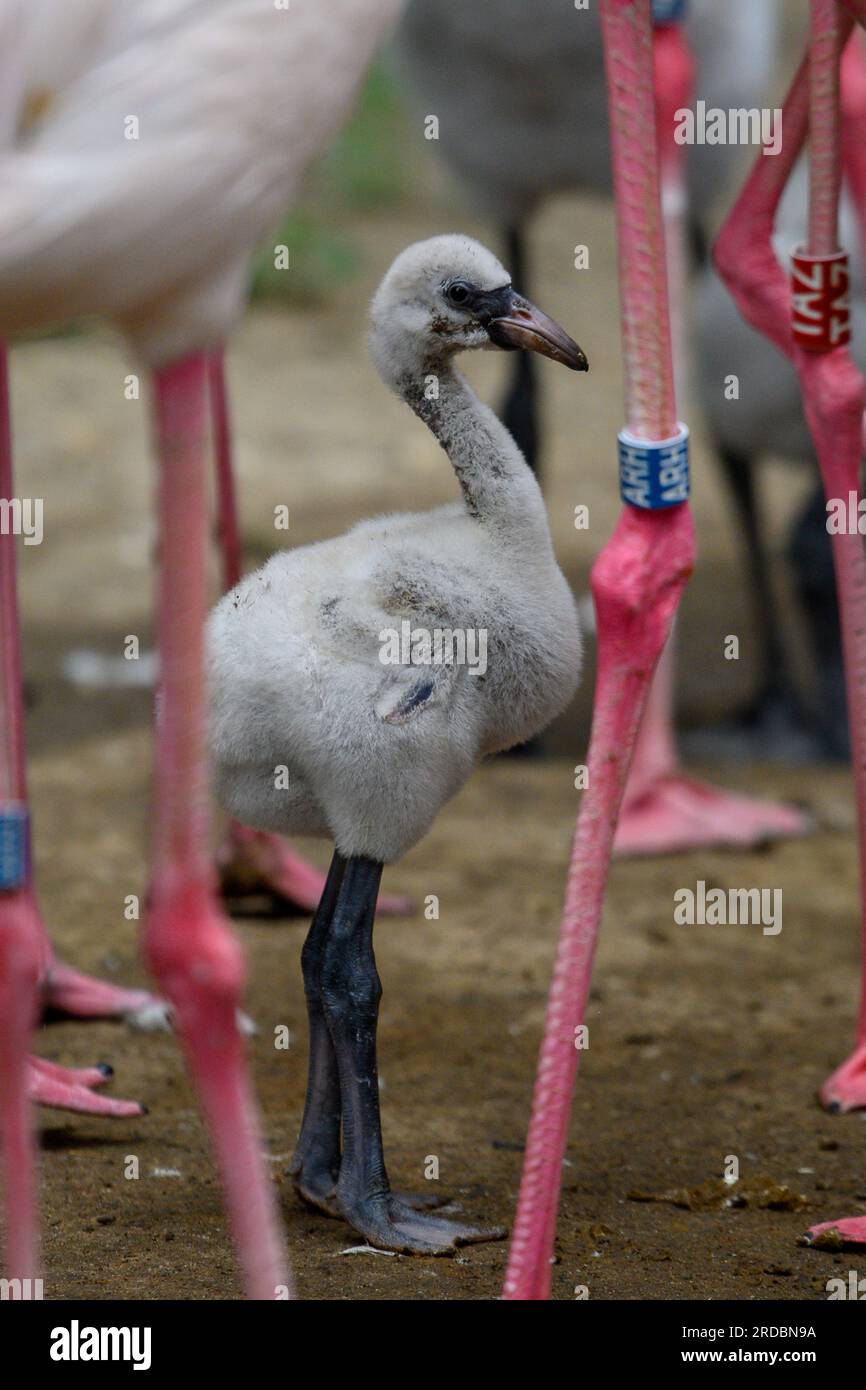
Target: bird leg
(834, 401)
(22, 947)
(637, 581)
(834, 397)
(188, 941)
(832, 386)
(255, 863)
(28, 970)
(62, 990)
(853, 116)
(228, 525)
(664, 811)
(811, 549)
(20, 959)
(315, 1165)
(350, 994)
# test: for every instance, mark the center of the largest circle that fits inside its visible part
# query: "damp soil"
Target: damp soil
(705, 1042)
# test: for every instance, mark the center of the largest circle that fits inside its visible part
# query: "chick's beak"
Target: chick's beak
(526, 326)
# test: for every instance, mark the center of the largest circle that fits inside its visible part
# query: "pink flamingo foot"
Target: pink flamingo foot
(255, 863)
(834, 1235)
(67, 991)
(200, 965)
(846, 1089)
(68, 1088)
(677, 813)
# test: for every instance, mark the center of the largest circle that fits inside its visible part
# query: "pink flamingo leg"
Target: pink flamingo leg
(62, 989)
(834, 410)
(834, 397)
(853, 110)
(26, 959)
(228, 524)
(22, 953)
(255, 862)
(663, 810)
(832, 386)
(846, 1088)
(188, 942)
(19, 973)
(636, 582)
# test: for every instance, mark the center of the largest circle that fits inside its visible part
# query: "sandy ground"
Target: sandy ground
(706, 1042)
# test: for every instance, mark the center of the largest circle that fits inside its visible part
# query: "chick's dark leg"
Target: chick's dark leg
(315, 1165)
(351, 991)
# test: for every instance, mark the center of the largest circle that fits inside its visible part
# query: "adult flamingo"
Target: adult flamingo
(227, 103)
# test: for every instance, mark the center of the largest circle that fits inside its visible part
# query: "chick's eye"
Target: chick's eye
(457, 293)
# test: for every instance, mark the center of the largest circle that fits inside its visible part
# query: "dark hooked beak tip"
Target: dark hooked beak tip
(528, 327)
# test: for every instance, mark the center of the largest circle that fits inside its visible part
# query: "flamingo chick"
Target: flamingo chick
(301, 679)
